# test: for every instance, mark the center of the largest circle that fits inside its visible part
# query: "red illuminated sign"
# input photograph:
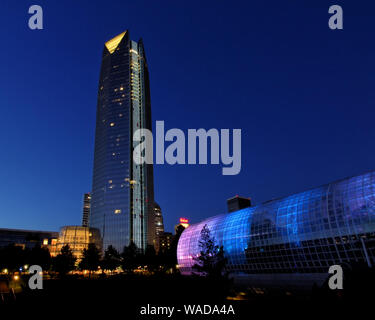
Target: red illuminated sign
(184, 220)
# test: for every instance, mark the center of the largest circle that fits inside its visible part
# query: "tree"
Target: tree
(130, 257)
(211, 261)
(111, 260)
(90, 258)
(64, 261)
(168, 257)
(150, 259)
(180, 229)
(40, 256)
(12, 257)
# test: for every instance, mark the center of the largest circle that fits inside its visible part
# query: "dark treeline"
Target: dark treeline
(15, 258)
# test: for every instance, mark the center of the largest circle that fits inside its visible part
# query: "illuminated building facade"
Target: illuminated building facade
(78, 238)
(122, 191)
(302, 234)
(86, 209)
(159, 224)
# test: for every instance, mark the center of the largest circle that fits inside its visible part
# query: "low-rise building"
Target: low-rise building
(78, 238)
(237, 203)
(166, 239)
(28, 238)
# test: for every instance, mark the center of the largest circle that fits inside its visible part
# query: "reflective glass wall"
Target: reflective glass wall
(302, 233)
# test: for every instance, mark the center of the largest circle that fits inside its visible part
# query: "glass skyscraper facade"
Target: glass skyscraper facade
(302, 233)
(122, 192)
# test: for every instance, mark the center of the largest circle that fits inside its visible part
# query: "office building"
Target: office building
(28, 238)
(237, 203)
(159, 224)
(122, 197)
(166, 241)
(86, 209)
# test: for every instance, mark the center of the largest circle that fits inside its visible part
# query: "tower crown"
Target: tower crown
(114, 42)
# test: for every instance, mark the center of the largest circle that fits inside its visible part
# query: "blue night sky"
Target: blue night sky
(302, 94)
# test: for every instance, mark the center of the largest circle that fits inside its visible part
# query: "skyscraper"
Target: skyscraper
(122, 192)
(159, 225)
(86, 209)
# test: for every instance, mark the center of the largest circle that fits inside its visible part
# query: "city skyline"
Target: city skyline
(298, 99)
